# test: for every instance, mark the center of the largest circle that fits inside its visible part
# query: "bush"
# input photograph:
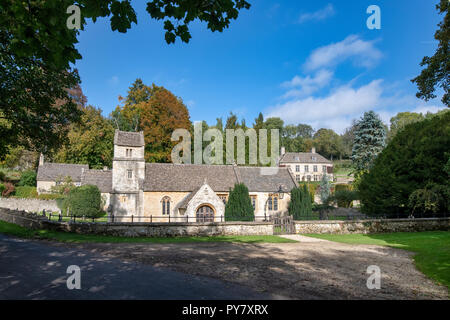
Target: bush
(239, 206)
(433, 199)
(343, 198)
(9, 190)
(28, 178)
(84, 201)
(300, 204)
(26, 192)
(2, 187)
(2, 176)
(415, 157)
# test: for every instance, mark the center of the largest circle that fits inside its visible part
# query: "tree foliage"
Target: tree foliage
(89, 142)
(28, 178)
(84, 201)
(415, 157)
(437, 68)
(300, 205)
(400, 120)
(239, 206)
(370, 137)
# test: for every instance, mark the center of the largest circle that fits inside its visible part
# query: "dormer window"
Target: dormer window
(129, 153)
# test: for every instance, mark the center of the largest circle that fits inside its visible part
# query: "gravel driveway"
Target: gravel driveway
(310, 269)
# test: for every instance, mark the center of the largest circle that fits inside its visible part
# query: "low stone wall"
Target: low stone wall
(33, 221)
(30, 205)
(373, 226)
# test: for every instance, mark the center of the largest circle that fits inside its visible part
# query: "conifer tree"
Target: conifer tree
(239, 206)
(300, 204)
(370, 140)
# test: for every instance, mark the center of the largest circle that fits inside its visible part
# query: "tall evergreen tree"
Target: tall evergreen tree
(300, 204)
(370, 140)
(239, 206)
(325, 188)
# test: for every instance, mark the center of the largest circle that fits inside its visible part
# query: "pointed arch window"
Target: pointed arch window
(165, 202)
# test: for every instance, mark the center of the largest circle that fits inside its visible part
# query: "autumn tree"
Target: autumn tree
(159, 117)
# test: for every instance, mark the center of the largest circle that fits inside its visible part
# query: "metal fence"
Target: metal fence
(259, 218)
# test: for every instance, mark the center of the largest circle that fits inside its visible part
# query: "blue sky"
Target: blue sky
(312, 62)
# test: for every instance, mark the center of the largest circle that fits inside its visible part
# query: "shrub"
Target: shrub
(300, 204)
(63, 186)
(415, 156)
(343, 198)
(9, 190)
(84, 201)
(433, 199)
(2, 176)
(28, 178)
(2, 187)
(239, 206)
(26, 192)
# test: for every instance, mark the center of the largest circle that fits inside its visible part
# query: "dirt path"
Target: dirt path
(304, 270)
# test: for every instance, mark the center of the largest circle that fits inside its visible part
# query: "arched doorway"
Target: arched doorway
(205, 214)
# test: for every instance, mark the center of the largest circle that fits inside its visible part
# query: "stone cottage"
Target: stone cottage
(160, 192)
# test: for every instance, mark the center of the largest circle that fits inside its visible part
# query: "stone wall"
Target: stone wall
(373, 226)
(30, 205)
(33, 221)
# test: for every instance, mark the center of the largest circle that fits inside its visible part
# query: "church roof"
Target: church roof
(100, 178)
(53, 171)
(303, 157)
(221, 178)
(129, 139)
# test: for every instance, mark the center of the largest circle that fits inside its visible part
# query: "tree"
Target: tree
(400, 120)
(28, 178)
(239, 206)
(348, 138)
(436, 73)
(300, 204)
(89, 142)
(328, 143)
(324, 188)
(37, 49)
(415, 157)
(159, 117)
(370, 137)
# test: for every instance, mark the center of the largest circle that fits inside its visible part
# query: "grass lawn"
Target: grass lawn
(432, 248)
(15, 230)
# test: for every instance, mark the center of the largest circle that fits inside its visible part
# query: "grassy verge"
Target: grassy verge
(432, 248)
(15, 230)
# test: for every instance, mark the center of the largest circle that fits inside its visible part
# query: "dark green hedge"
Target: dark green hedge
(84, 201)
(239, 206)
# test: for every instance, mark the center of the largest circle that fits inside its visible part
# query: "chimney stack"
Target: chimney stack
(283, 150)
(41, 159)
(313, 150)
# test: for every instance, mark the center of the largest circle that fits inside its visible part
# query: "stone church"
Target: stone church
(163, 192)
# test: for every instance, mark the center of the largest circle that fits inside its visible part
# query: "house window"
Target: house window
(130, 174)
(253, 198)
(309, 178)
(297, 168)
(303, 178)
(223, 197)
(324, 169)
(297, 178)
(129, 153)
(165, 202)
(315, 168)
(306, 168)
(316, 178)
(273, 202)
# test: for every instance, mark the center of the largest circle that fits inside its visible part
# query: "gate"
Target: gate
(283, 223)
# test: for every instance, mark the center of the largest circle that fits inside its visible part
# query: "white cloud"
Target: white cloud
(301, 86)
(333, 111)
(362, 52)
(318, 15)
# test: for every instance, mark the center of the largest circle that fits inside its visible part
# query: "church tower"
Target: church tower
(128, 174)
